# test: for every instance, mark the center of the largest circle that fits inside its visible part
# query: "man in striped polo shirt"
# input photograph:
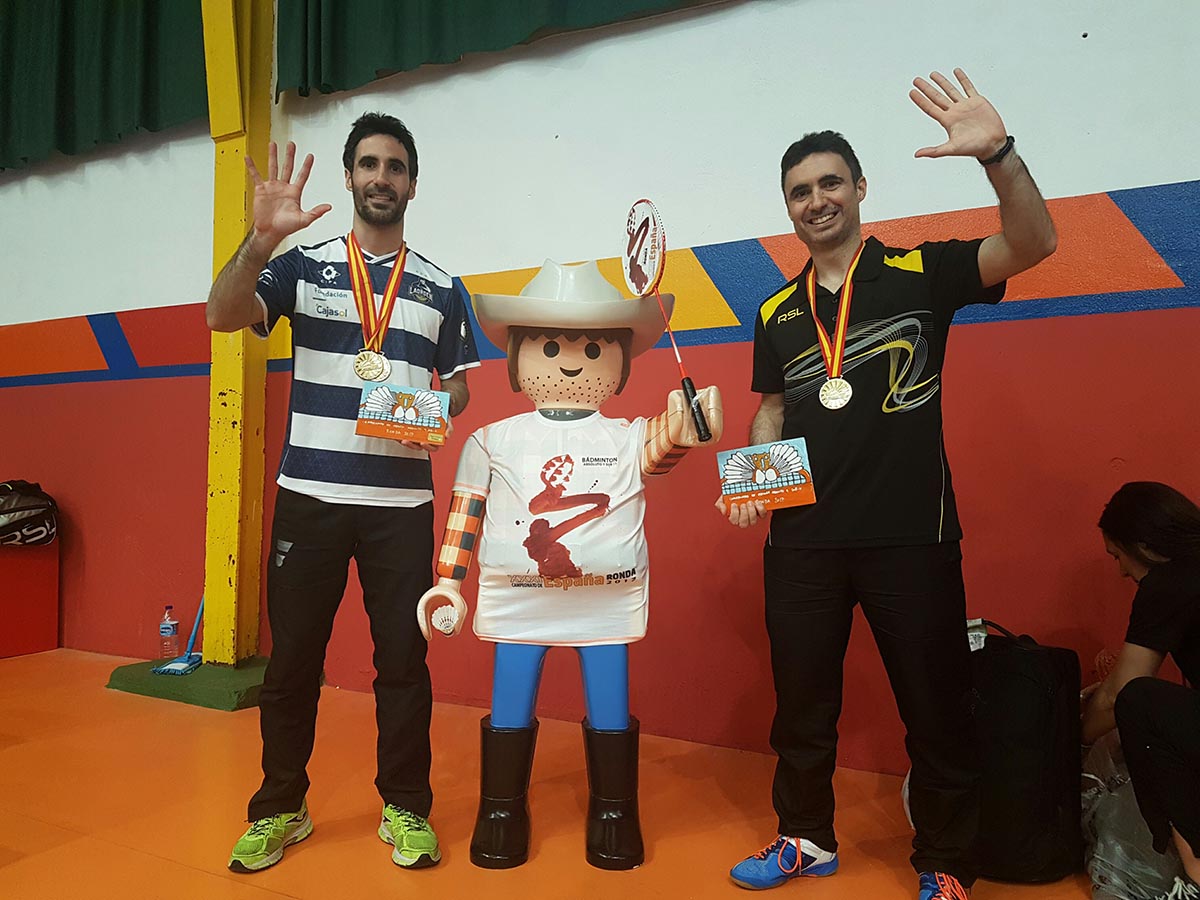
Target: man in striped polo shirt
(343, 495)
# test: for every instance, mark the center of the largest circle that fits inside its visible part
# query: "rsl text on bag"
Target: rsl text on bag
(28, 515)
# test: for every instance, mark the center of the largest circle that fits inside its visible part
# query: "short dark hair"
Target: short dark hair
(819, 142)
(520, 333)
(1154, 515)
(380, 123)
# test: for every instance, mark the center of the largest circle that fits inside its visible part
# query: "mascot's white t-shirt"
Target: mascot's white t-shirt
(573, 571)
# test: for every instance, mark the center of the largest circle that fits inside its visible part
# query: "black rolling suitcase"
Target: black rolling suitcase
(1026, 700)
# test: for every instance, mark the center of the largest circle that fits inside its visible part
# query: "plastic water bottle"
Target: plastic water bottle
(168, 633)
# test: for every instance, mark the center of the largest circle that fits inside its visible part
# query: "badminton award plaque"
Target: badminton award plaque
(776, 474)
(403, 413)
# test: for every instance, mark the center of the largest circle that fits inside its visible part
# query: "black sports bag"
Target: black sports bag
(28, 515)
(1026, 700)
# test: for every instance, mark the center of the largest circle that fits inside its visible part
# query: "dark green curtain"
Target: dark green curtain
(76, 73)
(338, 45)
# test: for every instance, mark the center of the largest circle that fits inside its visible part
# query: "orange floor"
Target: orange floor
(111, 795)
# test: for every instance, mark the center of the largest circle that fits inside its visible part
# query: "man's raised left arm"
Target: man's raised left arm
(974, 128)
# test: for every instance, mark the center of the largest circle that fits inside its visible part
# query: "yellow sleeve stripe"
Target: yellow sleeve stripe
(909, 262)
(771, 304)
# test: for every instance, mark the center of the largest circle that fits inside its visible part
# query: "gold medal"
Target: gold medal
(835, 393)
(372, 366)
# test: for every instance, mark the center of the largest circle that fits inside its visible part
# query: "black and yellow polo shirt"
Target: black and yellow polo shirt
(878, 464)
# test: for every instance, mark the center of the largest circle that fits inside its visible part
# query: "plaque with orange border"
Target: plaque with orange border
(777, 474)
(403, 413)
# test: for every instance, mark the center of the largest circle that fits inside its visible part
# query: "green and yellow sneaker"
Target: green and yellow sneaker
(416, 846)
(262, 844)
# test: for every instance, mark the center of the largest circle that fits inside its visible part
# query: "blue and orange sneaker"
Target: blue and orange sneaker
(940, 886)
(783, 859)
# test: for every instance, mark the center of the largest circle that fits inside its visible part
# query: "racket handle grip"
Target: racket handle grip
(689, 392)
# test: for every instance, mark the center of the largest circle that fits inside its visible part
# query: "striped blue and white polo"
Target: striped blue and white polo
(429, 331)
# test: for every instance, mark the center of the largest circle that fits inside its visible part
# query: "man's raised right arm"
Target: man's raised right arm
(277, 214)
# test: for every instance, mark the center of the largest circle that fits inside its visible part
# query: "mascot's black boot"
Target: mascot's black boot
(614, 836)
(501, 838)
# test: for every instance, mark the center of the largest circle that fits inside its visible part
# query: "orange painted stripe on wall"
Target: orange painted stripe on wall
(1099, 250)
(40, 348)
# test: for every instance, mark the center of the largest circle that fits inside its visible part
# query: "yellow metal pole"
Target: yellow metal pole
(238, 48)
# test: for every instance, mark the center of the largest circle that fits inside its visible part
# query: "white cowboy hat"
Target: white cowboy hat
(572, 296)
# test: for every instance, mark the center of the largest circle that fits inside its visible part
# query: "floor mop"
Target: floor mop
(189, 662)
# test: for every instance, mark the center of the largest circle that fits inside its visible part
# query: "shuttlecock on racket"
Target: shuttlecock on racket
(444, 619)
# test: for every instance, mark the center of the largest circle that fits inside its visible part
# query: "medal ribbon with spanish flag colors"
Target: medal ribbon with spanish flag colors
(374, 321)
(833, 351)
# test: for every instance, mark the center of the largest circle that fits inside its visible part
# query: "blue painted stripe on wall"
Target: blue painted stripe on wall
(1085, 305)
(184, 370)
(745, 275)
(1169, 216)
(113, 343)
(188, 369)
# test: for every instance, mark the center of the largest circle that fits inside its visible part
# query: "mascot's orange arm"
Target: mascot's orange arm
(463, 526)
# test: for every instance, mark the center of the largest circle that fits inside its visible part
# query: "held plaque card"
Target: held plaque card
(403, 413)
(778, 474)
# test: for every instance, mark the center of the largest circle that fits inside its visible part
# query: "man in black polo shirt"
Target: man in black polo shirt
(848, 355)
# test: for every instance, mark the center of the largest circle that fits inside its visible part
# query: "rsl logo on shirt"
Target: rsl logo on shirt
(789, 315)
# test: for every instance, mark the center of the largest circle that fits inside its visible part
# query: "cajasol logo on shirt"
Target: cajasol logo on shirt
(331, 304)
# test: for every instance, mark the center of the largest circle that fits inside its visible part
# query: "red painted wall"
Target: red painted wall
(127, 463)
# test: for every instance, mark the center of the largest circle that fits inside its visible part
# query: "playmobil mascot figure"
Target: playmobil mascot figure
(555, 499)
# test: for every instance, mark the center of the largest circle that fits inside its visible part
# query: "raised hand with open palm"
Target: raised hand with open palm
(973, 127)
(277, 209)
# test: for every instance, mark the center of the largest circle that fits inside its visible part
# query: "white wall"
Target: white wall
(539, 150)
(126, 227)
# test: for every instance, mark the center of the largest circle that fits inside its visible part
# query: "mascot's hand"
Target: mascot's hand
(681, 426)
(446, 618)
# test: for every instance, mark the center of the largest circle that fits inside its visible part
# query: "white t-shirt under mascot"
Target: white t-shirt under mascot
(552, 500)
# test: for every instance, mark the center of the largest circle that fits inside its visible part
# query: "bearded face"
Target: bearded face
(379, 205)
(380, 183)
(569, 373)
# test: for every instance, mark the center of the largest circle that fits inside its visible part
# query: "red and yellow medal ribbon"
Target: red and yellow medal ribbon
(833, 351)
(374, 321)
